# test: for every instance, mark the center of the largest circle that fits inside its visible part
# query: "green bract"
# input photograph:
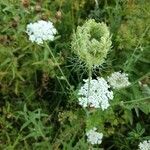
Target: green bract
(91, 42)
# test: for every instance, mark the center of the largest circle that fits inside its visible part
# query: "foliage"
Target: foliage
(39, 83)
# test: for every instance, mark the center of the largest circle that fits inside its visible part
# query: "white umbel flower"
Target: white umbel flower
(118, 80)
(97, 96)
(145, 145)
(41, 31)
(94, 137)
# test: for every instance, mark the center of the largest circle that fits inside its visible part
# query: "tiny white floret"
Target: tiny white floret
(145, 145)
(95, 95)
(118, 80)
(41, 31)
(94, 137)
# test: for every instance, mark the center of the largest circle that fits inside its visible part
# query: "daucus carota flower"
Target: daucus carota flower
(96, 95)
(145, 145)
(91, 43)
(94, 137)
(41, 31)
(118, 80)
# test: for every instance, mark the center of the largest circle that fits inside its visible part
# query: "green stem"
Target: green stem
(137, 100)
(88, 94)
(89, 81)
(132, 101)
(46, 52)
(55, 61)
(96, 4)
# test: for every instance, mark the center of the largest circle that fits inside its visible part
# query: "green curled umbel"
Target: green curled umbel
(91, 42)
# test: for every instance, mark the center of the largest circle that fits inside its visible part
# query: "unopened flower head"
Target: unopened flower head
(91, 42)
(41, 31)
(118, 80)
(96, 95)
(145, 145)
(94, 137)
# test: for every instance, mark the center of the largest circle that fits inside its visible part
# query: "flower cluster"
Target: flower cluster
(41, 31)
(94, 137)
(145, 145)
(91, 42)
(118, 80)
(95, 94)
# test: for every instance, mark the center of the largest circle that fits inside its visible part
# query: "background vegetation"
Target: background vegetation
(38, 110)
